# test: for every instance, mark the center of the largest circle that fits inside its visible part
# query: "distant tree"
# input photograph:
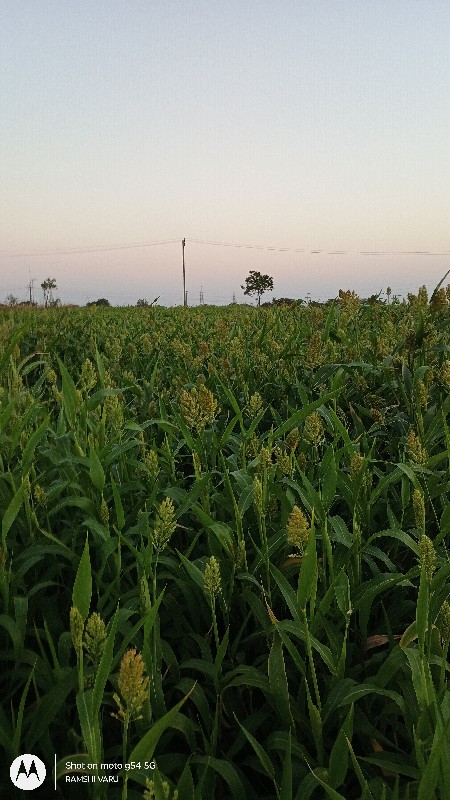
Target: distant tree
(11, 300)
(285, 301)
(388, 292)
(102, 301)
(257, 284)
(47, 287)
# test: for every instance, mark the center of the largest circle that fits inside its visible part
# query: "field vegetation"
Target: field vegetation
(224, 549)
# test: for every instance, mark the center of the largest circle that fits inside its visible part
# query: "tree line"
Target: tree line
(255, 284)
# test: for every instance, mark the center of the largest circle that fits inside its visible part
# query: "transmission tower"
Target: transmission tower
(30, 288)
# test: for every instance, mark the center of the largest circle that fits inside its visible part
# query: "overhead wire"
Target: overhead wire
(4, 254)
(322, 251)
(133, 245)
(75, 250)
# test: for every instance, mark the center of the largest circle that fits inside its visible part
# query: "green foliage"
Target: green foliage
(225, 549)
(256, 283)
(102, 301)
(47, 287)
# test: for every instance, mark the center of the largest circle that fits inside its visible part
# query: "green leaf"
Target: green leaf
(89, 725)
(365, 594)
(422, 607)
(332, 793)
(220, 530)
(341, 533)
(286, 778)
(120, 516)
(299, 630)
(287, 591)
(444, 524)
(69, 393)
(248, 676)
(328, 322)
(315, 719)
(18, 727)
(104, 668)
(393, 763)
(185, 785)
(149, 621)
(260, 752)
(15, 633)
(398, 535)
(97, 527)
(365, 688)
(329, 479)
(420, 676)
(96, 470)
(95, 399)
(150, 615)
(438, 758)
(194, 572)
(146, 747)
(363, 783)
(342, 592)
(308, 571)
(278, 681)
(30, 447)
(82, 587)
(338, 764)
(227, 771)
(436, 289)
(187, 435)
(47, 709)
(347, 691)
(222, 649)
(7, 351)
(300, 416)
(409, 635)
(11, 513)
(234, 405)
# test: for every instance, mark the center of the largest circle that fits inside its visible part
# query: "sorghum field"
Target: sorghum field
(224, 561)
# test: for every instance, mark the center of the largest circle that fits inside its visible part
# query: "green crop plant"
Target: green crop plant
(224, 549)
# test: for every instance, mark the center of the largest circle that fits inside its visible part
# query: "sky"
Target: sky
(282, 126)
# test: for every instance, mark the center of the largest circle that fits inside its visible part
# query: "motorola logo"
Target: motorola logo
(27, 772)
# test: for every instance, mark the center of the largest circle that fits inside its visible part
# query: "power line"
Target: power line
(75, 250)
(323, 251)
(316, 251)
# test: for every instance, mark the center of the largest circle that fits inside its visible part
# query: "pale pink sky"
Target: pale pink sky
(313, 126)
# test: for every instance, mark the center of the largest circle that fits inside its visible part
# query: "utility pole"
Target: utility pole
(201, 295)
(183, 243)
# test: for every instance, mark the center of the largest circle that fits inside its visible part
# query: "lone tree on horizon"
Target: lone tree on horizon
(102, 301)
(257, 284)
(47, 287)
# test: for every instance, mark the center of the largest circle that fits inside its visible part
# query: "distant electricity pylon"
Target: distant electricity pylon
(201, 296)
(30, 287)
